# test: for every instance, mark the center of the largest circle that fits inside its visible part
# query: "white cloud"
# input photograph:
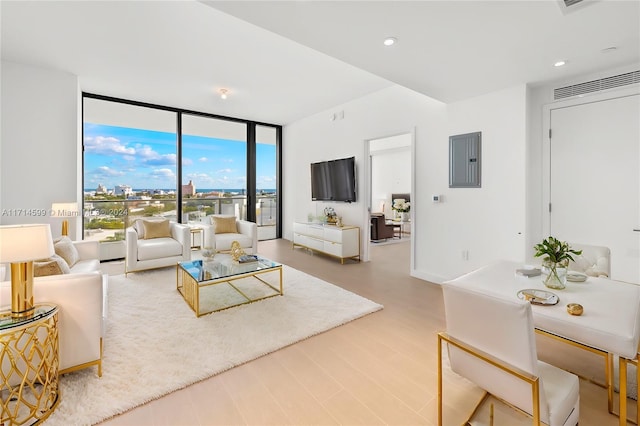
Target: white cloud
(108, 172)
(187, 161)
(224, 171)
(153, 158)
(106, 146)
(163, 173)
(203, 159)
(200, 178)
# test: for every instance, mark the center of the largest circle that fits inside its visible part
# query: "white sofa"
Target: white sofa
(81, 297)
(88, 257)
(246, 235)
(157, 252)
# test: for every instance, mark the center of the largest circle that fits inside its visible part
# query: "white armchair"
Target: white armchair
(491, 342)
(224, 230)
(146, 251)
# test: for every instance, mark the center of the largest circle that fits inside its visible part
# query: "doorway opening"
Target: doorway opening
(389, 178)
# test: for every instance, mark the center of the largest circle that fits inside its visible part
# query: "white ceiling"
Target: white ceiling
(285, 60)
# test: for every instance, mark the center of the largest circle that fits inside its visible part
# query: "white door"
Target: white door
(595, 179)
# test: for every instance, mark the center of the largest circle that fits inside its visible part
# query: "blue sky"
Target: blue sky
(145, 159)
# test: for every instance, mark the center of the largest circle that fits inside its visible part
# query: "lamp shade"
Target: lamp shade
(64, 210)
(23, 243)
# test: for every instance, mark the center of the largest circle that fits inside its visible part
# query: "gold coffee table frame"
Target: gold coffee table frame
(189, 287)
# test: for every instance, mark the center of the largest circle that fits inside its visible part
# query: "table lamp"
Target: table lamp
(20, 245)
(64, 210)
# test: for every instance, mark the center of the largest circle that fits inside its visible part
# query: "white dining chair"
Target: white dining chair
(594, 261)
(491, 342)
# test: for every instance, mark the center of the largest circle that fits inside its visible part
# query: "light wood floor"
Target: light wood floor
(380, 369)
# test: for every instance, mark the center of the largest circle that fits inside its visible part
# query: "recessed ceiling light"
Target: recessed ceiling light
(560, 63)
(390, 41)
(223, 93)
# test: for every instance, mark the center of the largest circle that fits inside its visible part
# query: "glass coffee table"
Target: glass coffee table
(221, 283)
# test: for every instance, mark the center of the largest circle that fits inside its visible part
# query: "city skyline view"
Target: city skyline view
(147, 159)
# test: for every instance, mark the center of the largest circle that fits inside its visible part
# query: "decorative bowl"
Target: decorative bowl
(575, 309)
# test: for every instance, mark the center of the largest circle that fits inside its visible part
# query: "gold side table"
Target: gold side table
(29, 362)
(194, 231)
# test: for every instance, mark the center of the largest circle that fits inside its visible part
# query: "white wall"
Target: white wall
(488, 222)
(539, 96)
(40, 154)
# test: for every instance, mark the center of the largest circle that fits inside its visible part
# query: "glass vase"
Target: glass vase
(554, 274)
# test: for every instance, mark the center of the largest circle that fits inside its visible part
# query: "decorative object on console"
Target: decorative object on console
(64, 210)
(331, 215)
(20, 245)
(555, 262)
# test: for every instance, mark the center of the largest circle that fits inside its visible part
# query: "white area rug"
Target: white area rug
(154, 343)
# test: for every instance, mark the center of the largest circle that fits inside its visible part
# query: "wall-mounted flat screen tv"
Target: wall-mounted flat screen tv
(334, 180)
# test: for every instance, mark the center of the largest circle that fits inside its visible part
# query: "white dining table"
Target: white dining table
(610, 323)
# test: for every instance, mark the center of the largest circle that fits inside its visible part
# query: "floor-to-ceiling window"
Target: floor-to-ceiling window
(147, 160)
(129, 166)
(266, 182)
(214, 168)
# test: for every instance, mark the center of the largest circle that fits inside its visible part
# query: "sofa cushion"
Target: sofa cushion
(64, 248)
(157, 248)
(156, 229)
(224, 241)
(224, 224)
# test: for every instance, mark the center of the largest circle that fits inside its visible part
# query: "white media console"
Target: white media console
(343, 243)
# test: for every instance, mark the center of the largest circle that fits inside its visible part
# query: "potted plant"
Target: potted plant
(555, 262)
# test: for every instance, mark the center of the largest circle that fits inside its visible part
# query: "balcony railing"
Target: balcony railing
(106, 220)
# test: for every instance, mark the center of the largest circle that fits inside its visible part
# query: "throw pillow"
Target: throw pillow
(224, 224)
(48, 267)
(64, 267)
(66, 250)
(157, 229)
(138, 225)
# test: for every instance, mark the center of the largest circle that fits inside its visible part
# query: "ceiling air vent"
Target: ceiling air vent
(597, 85)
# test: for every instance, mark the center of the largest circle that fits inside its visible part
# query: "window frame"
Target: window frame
(251, 153)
